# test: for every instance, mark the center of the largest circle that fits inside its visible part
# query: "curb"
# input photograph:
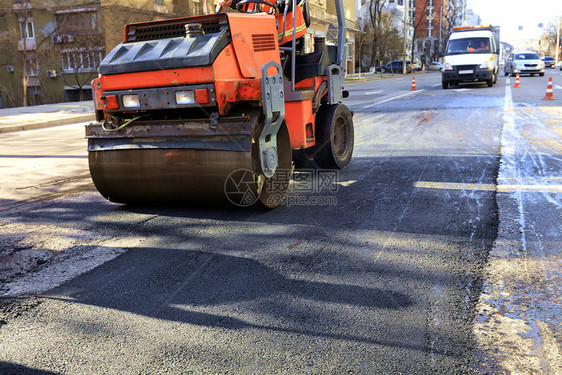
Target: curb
(45, 124)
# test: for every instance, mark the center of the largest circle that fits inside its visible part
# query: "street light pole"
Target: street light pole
(405, 34)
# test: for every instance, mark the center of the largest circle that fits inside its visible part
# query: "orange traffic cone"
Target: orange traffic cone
(413, 84)
(517, 85)
(549, 95)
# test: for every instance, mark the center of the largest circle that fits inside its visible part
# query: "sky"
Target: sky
(510, 14)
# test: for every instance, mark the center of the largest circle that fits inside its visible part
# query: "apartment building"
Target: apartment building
(433, 21)
(50, 51)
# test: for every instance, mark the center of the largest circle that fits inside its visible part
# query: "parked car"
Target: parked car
(416, 66)
(396, 67)
(435, 65)
(524, 63)
(549, 62)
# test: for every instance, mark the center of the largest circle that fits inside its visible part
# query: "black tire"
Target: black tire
(505, 72)
(541, 74)
(334, 136)
(445, 85)
(496, 77)
(490, 82)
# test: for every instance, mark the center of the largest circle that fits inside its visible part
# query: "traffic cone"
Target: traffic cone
(517, 85)
(413, 84)
(549, 95)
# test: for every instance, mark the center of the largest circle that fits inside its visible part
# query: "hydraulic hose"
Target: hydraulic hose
(126, 123)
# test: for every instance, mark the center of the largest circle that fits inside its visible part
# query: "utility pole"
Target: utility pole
(440, 30)
(405, 34)
(557, 39)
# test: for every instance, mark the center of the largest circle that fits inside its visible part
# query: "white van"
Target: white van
(471, 56)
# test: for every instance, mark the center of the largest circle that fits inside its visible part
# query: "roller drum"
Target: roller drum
(165, 175)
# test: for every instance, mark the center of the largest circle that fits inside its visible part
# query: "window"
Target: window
(77, 22)
(32, 67)
(27, 31)
(81, 59)
(197, 8)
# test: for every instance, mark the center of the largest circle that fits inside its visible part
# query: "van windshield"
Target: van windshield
(468, 45)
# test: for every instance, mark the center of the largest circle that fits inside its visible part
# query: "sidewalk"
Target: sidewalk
(41, 116)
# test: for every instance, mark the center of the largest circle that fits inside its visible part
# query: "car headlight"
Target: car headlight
(447, 66)
(131, 101)
(488, 64)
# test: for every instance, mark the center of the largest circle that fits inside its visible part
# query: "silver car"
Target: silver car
(524, 63)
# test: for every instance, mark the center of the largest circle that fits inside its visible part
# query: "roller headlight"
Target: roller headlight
(185, 97)
(131, 101)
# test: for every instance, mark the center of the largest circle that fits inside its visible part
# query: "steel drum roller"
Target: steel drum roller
(175, 175)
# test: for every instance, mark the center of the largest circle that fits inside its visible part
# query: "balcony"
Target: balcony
(21, 5)
(28, 44)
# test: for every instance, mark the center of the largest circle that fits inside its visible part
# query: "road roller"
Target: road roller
(211, 109)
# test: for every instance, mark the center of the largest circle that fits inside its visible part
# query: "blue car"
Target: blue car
(549, 62)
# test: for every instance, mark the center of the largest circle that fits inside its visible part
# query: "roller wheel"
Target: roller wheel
(334, 136)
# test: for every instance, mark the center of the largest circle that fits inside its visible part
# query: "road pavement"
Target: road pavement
(412, 271)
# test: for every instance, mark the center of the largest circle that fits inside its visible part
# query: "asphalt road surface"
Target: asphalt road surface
(379, 271)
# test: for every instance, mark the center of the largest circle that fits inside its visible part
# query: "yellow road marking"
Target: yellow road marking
(489, 187)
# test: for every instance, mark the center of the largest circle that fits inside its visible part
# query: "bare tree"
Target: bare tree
(25, 47)
(417, 23)
(548, 40)
(452, 14)
(375, 19)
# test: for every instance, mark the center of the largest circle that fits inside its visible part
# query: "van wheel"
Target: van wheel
(445, 85)
(541, 74)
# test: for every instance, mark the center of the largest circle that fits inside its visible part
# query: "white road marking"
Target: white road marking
(373, 92)
(394, 97)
